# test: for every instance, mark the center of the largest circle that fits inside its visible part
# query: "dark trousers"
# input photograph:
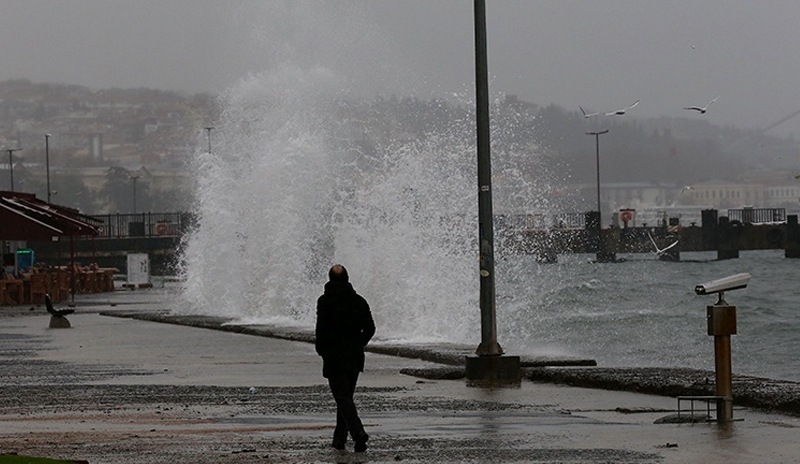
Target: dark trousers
(343, 386)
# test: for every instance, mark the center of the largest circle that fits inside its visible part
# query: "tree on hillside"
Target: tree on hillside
(118, 190)
(69, 190)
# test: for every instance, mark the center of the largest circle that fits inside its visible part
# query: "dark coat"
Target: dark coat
(344, 327)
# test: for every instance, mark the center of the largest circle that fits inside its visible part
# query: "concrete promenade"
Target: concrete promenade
(121, 390)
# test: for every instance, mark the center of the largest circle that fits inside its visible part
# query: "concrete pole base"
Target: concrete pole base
(493, 371)
(59, 322)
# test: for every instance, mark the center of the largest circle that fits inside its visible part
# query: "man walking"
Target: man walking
(344, 327)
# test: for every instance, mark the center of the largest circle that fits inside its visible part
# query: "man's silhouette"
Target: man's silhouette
(344, 327)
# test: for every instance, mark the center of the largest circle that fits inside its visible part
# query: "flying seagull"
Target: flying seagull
(660, 251)
(701, 110)
(585, 114)
(623, 110)
(56, 312)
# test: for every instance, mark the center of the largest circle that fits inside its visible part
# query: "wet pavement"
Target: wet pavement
(122, 390)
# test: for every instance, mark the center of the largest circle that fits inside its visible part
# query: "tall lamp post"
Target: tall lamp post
(489, 367)
(11, 164)
(601, 255)
(134, 192)
(489, 345)
(47, 163)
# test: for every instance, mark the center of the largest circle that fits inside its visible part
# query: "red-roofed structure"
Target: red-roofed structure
(23, 217)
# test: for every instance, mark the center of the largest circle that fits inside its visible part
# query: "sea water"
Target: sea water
(294, 181)
(644, 312)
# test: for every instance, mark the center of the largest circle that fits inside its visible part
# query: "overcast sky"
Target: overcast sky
(599, 54)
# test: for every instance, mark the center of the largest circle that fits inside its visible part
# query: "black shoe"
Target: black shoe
(361, 444)
(338, 444)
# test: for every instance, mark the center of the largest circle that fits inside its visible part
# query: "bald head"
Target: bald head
(338, 274)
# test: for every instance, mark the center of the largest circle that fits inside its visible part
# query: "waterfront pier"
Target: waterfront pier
(740, 230)
(160, 235)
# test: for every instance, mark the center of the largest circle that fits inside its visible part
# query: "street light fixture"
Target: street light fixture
(489, 345)
(601, 256)
(11, 164)
(47, 163)
(490, 367)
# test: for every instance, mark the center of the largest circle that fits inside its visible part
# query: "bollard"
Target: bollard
(792, 243)
(721, 320)
(728, 238)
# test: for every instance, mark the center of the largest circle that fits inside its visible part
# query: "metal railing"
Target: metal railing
(178, 223)
(143, 224)
(569, 221)
(757, 215)
(540, 221)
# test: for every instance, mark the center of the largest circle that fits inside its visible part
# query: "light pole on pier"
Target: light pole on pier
(208, 130)
(11, 164)
(601, 256)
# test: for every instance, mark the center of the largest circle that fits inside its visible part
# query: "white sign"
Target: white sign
(138, 268)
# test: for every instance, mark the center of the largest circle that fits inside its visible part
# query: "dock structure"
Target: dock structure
(740, 230)
(160, 236)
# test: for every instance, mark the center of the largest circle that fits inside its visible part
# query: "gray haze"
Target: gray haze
(602, 55)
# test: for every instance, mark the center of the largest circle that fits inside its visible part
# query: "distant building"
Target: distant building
(723, 194)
